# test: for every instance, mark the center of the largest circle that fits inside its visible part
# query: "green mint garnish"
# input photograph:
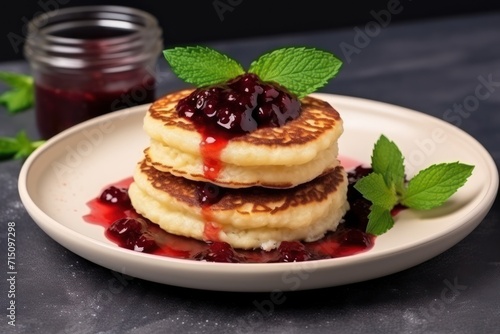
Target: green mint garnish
(388, 161)
(432, 186)
(375, 189)
(17, 147)
(300, 70)
(379, 220)
(202, 66)
(21, 96)
(386, 186)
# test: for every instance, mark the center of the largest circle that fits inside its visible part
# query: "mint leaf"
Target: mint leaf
(202, 66)
(388, 161)
(379, 220)
(301, 70)
(8, 147)
(17, 147)
(21, 96)
(374, 189)
(432, 186)
(386, 186)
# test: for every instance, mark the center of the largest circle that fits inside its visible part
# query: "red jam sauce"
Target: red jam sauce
(241, 105)
(128, 229)
(60, 107)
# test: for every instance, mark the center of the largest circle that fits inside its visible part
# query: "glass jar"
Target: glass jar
(91, 60)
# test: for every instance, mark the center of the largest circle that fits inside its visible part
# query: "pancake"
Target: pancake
(234, 176)
(246, 218)
(308, 143)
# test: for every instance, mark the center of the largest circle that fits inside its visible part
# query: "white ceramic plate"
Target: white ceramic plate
(58, 179)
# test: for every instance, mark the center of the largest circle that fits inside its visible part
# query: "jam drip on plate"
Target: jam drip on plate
(125, 227)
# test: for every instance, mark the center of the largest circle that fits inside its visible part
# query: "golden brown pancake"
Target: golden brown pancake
(307, 144)
(247, 218)
(234, 176)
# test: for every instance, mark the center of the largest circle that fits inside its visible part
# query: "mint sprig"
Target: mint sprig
(387, 187)
(299, 69)
(21, 96)
(18, 147)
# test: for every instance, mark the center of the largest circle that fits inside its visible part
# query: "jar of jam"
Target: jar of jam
(91, 60)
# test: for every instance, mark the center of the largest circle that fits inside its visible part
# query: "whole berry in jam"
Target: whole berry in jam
(208, 193)
(218, 251)
(358, 173)
(240, 105)
(357, 215)
(131, 233)
(126, 231)
(355, 237)
(292, 251)
(115, 196)
(145, 243)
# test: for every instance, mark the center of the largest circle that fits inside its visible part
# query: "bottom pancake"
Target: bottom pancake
(246, 218)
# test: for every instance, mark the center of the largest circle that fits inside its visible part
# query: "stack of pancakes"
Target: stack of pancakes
(276, 183)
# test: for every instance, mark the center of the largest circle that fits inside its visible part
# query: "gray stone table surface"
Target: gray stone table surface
(430, 66)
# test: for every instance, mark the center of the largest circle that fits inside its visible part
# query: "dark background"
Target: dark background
(197, 22)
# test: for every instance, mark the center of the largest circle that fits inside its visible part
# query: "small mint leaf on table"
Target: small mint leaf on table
(8, 147)
(388, 161)
(202, 66)
(301, 70)
(432, 186)
(26, 145)
(21, 96)
(380, 220)
(18, 147)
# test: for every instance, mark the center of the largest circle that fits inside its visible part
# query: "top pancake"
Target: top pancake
(297, 142)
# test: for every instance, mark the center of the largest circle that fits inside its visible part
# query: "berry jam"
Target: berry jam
(128, 229)
(241, 105)
(60, 108)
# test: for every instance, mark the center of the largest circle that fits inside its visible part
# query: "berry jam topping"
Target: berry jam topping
(241, 105)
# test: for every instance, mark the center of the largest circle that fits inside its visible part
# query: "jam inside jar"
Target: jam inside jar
(88, 96)
(91, 60)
